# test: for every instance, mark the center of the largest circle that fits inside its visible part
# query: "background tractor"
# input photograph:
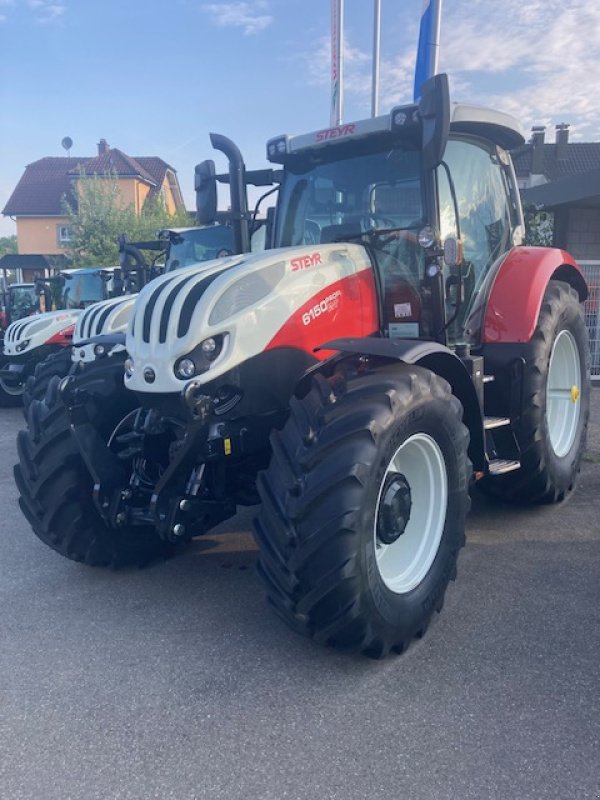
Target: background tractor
(36, 352)
(17, 300)
(48, 328)
(394, 345)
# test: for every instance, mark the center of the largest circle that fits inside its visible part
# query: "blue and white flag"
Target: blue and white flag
(429, 44)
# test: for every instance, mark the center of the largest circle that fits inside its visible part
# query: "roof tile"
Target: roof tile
(580, 157)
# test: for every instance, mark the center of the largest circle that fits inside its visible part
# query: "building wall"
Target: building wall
(167, 194)
(39, 235)
(133, 193)
(583, 233)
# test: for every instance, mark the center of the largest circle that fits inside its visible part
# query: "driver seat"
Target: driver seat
(337, 233)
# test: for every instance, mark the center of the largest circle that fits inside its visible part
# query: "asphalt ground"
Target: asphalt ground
(178, 682)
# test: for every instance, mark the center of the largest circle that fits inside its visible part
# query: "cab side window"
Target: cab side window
(483, 204)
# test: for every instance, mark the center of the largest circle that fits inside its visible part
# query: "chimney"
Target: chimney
(103, 147)
(538, 133)
(562, 140)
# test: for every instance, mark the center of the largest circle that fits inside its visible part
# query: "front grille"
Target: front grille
(92, 321)
(159, 305)
(13, 333)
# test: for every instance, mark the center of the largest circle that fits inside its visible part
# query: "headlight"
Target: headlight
(208, 346)
(129, 367)
(427, 237)
(22, 345)
(99, 350)
(200, 358)
(185, 369)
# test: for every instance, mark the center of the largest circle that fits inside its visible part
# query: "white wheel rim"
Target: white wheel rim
(563, 391)
(403, 564)
(13, 391)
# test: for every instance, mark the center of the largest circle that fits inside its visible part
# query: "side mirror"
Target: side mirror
(434, 110)
(205, 185)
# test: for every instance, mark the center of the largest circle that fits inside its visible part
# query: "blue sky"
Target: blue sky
(153, 77)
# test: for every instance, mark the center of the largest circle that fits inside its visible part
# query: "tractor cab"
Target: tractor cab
(428, 189)
(72, 289)
(21, 301)
(79, 288)
(189, 246)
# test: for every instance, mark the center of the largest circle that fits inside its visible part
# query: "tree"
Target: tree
(8, 244)
(101, 216)
(539, 226)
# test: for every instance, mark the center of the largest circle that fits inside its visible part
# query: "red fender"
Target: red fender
(516, 296)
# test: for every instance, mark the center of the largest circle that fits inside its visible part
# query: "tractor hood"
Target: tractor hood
(107, 317)
(52, 327)
(214, 317)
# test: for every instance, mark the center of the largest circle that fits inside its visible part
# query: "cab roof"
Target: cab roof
(495, 126)
(498, 126)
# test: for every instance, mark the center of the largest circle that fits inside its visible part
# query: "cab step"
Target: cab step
(500, 466)
(489, 423)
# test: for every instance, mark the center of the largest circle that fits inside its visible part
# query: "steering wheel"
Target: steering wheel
(386, 222)
(312, 232)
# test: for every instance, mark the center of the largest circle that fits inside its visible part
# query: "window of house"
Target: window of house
(64, 233)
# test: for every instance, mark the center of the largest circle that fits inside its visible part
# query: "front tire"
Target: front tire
(364, 506)
(58, 364)
(56, 488)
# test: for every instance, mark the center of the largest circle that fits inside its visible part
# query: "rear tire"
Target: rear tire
(58, 364)
(331, 496)
(556, 404)
(56, 488)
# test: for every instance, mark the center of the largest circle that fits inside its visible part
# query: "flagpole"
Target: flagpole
(428, 49)
(337, 62)
(376, 49)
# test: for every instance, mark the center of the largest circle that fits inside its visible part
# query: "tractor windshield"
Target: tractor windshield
(22, 301)
(368, 192)
(375, 198)
(199, 244)
(83, 289)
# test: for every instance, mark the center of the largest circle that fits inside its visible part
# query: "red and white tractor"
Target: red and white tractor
(395, 345)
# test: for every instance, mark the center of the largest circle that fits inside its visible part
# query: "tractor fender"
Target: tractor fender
(515, 298)
(430, 355)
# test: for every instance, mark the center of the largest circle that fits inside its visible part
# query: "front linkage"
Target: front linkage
(180, 473)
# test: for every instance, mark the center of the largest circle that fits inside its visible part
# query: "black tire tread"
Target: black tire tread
(56, 364)
(56, 495)
(311, 496)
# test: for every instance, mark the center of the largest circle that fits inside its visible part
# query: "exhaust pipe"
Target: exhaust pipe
(237, 188)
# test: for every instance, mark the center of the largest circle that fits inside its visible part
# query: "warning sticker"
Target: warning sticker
(402, 310)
